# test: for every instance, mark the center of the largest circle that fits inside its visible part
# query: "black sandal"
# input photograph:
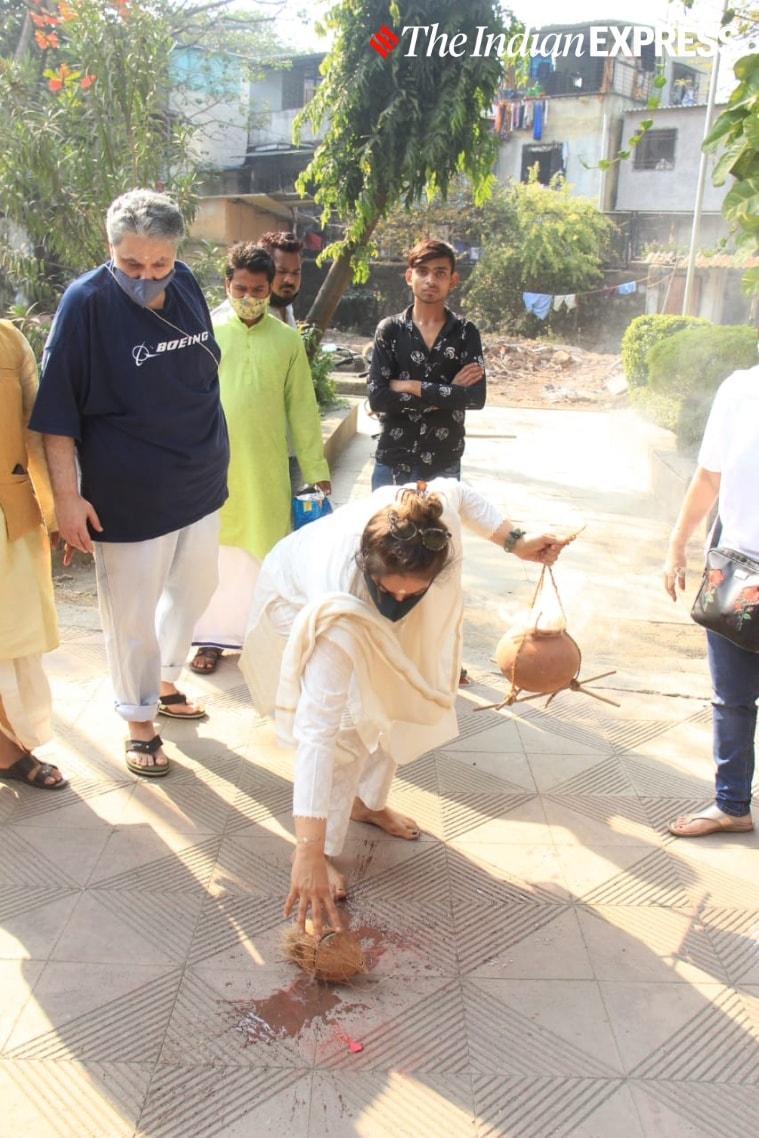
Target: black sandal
(167, 703)
(140, 747)
(30, 770)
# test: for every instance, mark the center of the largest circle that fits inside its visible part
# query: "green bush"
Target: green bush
(324, 385)
(640, 336)
(689, 366)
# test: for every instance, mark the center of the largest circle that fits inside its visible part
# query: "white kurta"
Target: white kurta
(343, 683)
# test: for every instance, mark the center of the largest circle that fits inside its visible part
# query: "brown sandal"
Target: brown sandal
(206, 660)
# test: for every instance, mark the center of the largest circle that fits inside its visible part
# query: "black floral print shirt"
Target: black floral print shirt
(425, 432)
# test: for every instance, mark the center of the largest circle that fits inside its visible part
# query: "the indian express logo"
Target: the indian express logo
(600, 40)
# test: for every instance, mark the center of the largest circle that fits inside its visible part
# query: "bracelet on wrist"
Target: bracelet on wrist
(513, 537)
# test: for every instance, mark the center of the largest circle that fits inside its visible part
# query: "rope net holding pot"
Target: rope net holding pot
(538, 656)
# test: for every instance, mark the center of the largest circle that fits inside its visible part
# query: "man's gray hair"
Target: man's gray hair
(145, 212)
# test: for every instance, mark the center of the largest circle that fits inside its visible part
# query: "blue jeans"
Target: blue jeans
(383, 475)
(735, 679)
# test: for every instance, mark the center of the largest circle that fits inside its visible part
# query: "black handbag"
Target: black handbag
(727, 601)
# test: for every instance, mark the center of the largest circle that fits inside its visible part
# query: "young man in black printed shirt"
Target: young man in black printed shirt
(426, 372)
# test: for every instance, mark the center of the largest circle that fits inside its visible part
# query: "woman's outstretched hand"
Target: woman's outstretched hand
(311, 889)
(544, 548)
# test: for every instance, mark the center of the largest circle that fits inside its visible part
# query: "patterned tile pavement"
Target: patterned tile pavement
(545, 961)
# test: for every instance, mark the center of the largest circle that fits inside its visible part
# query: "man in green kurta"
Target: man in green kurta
(266, 389)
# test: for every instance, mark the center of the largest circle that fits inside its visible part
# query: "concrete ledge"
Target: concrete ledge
(338, 428)
(670, 473)
(349, 384)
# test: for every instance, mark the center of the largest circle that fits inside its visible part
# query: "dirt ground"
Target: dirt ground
(531, 373)
(521, 373)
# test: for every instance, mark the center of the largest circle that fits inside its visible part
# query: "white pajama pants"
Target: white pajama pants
(356, 773)
(150, 595)
(25, 702)
(332, 765)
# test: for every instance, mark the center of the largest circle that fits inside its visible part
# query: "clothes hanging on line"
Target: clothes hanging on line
(539, 303)
(510, 115)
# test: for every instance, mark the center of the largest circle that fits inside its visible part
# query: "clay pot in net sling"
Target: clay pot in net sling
(538, 661)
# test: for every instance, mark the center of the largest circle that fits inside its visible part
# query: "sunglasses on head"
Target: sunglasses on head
(433, 538)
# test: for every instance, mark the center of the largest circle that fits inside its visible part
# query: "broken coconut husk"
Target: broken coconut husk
(539, 656)
(337, 956)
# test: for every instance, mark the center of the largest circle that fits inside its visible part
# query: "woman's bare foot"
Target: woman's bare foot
(398, 825)
(337, 882)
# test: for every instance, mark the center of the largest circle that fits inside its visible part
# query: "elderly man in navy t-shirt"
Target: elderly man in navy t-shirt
(129, 394)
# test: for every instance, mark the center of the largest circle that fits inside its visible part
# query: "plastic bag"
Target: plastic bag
(310, 504)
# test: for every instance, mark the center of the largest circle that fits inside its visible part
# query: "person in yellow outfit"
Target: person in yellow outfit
(266, 389)
(28, 624)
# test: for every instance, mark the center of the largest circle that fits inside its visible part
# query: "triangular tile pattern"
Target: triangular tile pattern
(229, 921)
(703, 1108)
(98, 1098)
(533, 1107)
(129, 1029)
(446, 1051)
(717, 1045)
(188, 869)
(650, 779)
(735, 936)
(29, 880)
(652, 880)
(405, 1105)
(429, 1036)
(209, 1101)
(504, 1040)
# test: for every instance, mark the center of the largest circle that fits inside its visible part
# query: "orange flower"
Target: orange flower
(44, 40)
(56, 79)
(87, 81)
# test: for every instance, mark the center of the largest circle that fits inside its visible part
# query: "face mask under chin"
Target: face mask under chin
(387, 605)
(278, 301)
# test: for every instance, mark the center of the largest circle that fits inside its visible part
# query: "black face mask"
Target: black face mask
(277, 301)
(387, 605)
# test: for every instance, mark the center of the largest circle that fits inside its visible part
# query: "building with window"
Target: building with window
(576, 108)
(243, 129)
(660, 176)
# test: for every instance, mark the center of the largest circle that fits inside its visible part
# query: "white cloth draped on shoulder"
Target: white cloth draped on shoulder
(402, 692)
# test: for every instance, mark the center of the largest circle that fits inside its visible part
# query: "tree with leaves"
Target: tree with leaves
(82, 118)
(535, 239)
(86, 111)
(397, 126)
(736, 135)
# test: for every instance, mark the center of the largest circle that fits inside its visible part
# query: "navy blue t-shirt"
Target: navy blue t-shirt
(138, 390)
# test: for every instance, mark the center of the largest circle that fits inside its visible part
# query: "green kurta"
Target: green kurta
(266, 387)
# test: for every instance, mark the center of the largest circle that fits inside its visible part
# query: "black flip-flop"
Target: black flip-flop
(167, 702)
(141, 747)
